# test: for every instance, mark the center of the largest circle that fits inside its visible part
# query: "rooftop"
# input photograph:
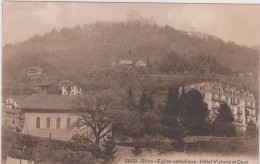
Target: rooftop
(50, 102)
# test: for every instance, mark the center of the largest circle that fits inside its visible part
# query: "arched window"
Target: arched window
(38, 122)
(68, 123)
(58, 123)
(48, 123)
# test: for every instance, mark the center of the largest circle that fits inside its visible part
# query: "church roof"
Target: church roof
(50, 102)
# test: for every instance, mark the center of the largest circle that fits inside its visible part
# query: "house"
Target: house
(249, 74)
(242, 102)
(113, 64)
(37, 73)
(11, 113)
(241, 75)
(125, 62)
(140, 63)
(70, 89)
(13, 118)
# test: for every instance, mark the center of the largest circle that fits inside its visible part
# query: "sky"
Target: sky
(239, 23)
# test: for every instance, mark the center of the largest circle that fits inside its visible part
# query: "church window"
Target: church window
(38, 122)
(58, 123)
(68, 123)
(48, 123)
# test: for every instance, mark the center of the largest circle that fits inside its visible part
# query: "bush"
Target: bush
(21, 146)
(109, 150)
(136, 151)
(251, 130)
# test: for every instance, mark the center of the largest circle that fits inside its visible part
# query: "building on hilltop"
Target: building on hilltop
(140, 63)
(37, 73)
(241, 101)
(113, 64)
(125, 62)
(68, 88)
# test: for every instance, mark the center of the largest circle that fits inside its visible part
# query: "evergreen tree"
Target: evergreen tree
(142, 103)
(149, 115)
(194, 113)
(171, 104)
(180, 130)
(148, 62)
(224, 114)
(136, 151)
(223, 124)
(149, 65)
(251, 130)
(152, 122)
(130, 100)
(130, 93)
(146, 103)
(171, 112)
(109, 150)
(150, 102)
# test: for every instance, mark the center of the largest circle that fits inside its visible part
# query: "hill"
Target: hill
(73, 53)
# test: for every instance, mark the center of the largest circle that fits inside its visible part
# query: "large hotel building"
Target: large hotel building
(242, 102)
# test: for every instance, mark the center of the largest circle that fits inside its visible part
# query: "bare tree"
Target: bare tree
(95, 113)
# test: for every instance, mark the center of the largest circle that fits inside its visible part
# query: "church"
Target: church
(52, 115)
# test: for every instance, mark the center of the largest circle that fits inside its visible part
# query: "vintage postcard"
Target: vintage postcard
(123, 83)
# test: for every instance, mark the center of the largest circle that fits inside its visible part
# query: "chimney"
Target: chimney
(43, 88)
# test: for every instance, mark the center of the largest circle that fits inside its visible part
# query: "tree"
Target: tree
(146, 103)
(136, 151)
(152, 122)
(251, 130)
(95, 112)
(130, 103)
(194, 113)
(109, 150)
(171, 112)
(149, 64)
(180, 131)
(127, 123)
(149, 116)
(223, 124)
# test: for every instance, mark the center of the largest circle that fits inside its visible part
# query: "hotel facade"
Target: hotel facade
(242, 102)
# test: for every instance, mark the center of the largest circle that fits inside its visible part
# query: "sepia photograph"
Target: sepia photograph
(130, 83)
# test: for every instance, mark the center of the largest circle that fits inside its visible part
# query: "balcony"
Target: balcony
(240, 120)
(239, 111)
(234, 103)
(218, 99)
(249, 106)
